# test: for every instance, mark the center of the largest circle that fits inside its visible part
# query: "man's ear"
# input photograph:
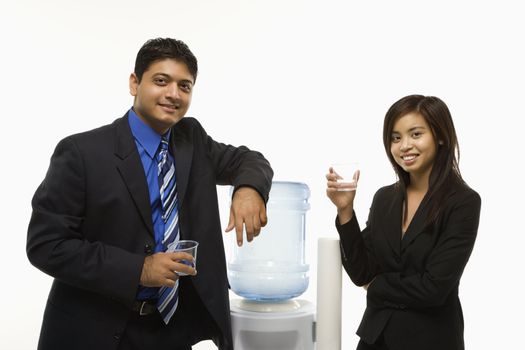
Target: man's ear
(133, 84)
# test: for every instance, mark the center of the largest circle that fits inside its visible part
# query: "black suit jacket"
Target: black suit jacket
(91, 228)
(413, 298)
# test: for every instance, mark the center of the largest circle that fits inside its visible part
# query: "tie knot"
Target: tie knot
(164, 143)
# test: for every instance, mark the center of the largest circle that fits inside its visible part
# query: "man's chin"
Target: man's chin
(171, 120)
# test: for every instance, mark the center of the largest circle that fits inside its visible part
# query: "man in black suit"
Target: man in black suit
(98, 219)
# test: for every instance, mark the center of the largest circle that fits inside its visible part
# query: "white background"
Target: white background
(304, 82)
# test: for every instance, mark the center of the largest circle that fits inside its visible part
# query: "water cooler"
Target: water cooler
(269, 273)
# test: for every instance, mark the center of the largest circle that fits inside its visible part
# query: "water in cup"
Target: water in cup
(190, 247)
(347, 175)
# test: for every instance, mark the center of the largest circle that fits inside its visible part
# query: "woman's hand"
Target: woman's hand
(343, 200)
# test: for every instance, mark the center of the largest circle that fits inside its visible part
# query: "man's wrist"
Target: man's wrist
(144, 273)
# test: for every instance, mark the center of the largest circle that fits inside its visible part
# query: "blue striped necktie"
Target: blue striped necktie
(168, 297)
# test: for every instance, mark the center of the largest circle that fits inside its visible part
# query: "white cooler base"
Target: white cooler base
(288, 325)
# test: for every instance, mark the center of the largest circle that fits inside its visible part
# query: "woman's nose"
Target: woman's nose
(405, 144)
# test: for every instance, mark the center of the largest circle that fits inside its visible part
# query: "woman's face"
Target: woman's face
(413, 146)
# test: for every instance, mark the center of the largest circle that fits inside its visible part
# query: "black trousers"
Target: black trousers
(190, 324)
(150, 332)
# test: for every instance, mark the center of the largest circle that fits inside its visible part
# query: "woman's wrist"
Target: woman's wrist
(345, 214)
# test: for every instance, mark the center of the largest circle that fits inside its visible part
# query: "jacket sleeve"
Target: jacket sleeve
(444, 265)
(55, 241)
(238, 166)
(357, 253)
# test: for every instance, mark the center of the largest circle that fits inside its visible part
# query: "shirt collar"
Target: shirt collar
(144, 134)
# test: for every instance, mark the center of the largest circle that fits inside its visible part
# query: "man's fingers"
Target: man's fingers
(231, 221)
(170, 282)
(170, 274)
(237, 224)
(183, 268)
(263, 217)
(238, 231)
(247, 214)
(248, 225)
(256, 226)
(177, 256)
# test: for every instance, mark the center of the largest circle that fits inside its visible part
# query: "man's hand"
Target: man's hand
(247, 209)
(160, 269)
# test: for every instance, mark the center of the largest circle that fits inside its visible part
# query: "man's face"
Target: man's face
(163, 96)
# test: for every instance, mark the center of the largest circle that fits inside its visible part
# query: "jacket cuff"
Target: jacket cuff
(265, 199)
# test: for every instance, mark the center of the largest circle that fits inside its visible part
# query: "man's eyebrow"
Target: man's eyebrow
(161, 74)
(169, 78)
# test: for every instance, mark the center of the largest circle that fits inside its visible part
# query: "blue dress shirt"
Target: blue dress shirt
(148, 142)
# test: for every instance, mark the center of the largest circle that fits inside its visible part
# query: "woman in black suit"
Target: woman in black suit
(418, 237)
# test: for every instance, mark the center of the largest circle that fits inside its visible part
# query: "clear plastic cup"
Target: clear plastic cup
(347, 175)
(190, 247)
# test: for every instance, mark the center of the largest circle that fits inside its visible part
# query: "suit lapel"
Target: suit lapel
(182, 149)
(391, 225)
(416, 226)
(130, 168)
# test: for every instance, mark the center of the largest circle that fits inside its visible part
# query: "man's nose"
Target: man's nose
(172, 91)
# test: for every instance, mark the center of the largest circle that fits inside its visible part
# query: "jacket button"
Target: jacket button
(398, 259)
(148, 249)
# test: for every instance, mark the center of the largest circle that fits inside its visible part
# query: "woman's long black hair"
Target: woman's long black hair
(445, 171)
